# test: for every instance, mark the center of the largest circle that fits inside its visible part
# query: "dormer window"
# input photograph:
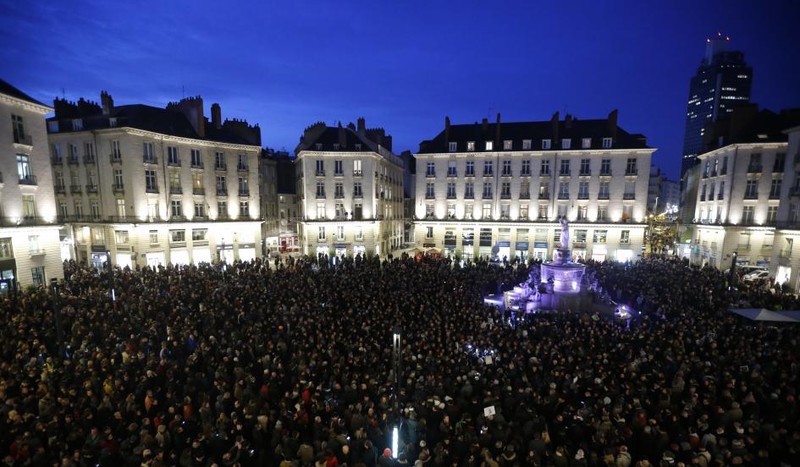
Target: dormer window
(318, 146)
(507, 145)
(545, 144)
(586, 143)
(470, 145)
(336, 146)
(489, 145)
(566, 143)
(606, 143)
(112, 122)
(526, 144)
(452, 146)
(77, 124)
(358, 146)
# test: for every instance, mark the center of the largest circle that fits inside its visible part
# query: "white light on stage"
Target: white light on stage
(395, 441)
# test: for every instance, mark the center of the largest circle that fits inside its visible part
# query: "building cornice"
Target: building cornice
(154, 135)
(42, 109)
(734, 147)
(537, 153)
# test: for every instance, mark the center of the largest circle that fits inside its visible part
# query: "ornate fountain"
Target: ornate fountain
(565, 275)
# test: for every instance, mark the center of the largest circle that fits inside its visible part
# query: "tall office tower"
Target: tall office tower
(722, 82)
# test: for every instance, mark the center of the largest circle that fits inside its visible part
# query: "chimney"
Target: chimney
(554, 125)
(497, 135)
(216, 115)
(612, 123)
(342, 136)
(568, 121)
(362, 125)
(447, 129)
(485, 125)
(107, 102)
(192, 109)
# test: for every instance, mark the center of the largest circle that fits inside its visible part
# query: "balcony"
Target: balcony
(88, 159)
(60, 189)
(773, 195)
(505, 195)
(150, 159)
(221, 167)
(246, 192)
(320, 195)
(564, 173)
(488, 173)
(430, 175)
(222, 191)
(629, 196)
(25, 140)
(469, 195)
(56, 160)
(75, 189)
(451, 196)
(506, 173)
(524, 196)
(338, 173)
(242, 167)
(583, 195)
(750, 195)
(429, 196)
(115, 158)
(151, 189)
(197, 165)
(356, 173)
(602, 196)
(563, 196)
(605, 173)
(198, 191)
(469, 174)
(631, 173)
(73, 160)
(28, 179)
(175, 190)
(754, 168)
(174, 162)
(91, 188)
(544, 173)
(487, 196)
(585, 173)
(358, 194)
(118, 188)
(525, 173)
(743, 247)
(452, 173)
(337, 195)
(544, 195)
(319, 173)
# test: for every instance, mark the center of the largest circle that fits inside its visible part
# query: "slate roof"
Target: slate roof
(9, 90)
(575, 130)
(344, 137)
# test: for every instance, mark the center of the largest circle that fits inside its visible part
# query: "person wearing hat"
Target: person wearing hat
(386, 459)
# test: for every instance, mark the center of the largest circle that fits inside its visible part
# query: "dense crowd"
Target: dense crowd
(292, 365)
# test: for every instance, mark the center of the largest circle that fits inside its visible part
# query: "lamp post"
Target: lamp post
(57, 317)
(396, 356)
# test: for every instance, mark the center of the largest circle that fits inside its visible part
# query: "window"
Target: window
(176, 208)
(120, 208)
(37, 276)
(507, 145)
(487, 212)
(625, 237)
(430, 190)
(563, 190)
(470, 145)
(359, 235)
(147, 151)
(545, 168)
(154, 237)
(451, 211)
(428, 232)
(724, 169)
(526, 168)
(585, 167)
(222, 209)
(747, 214)
(583, 190)
(320, 189)
(197, 159)
(487, 190)
(33, 244)
(24, 170)
(219, 160)
(526, 144)
(452, 146)
(780, 162)
(630, 167)
(523, 211)
(630, 190)
(755, 162)
(430, 169)
(88, 152)
(199, 209)
(488, 167)
(451, 190)
(152, 209)
(544, 190)
(95, 209)
(62, 209)
(339, 212)
(525, 189)
(751, 189)
(470, 169)
(428, 210)
(28, 206)
(564, 169)
(703, 193)
(172, 156)
(775, 188)
(242, 164)
(451, 169)
(199, 234)
(320, 167)
(150, 181)
(772, 214)
(244, 186)
(586, 143)
(545, 144)
(606, 143)
(338, 190)
(18, 128)
(605, 167)
(469, 190)
(603, 193)
(175, 181)
(583, 213)
(320, 210)
(357, 190)
(6, 250)
(121, 237)
(197, 183)
(721, 195)
(118, 180)
(506, 169)
(357, 167)
(244, 208)
(505, 190)
(338, 167)
(602, 213)
(504, 211)
(177, 235)
(340, 232)
(566, 143)
(489, 145)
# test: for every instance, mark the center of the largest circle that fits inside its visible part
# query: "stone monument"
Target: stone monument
(565, 275)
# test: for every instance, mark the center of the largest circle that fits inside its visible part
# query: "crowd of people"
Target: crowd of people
(293, 365)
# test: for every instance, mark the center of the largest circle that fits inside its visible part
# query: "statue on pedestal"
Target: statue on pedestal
(564, 233)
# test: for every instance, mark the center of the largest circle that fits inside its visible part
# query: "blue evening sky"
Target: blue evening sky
(403, 65)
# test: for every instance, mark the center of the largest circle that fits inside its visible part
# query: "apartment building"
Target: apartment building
(350, 188)
(151, 186)
(497, 190)
(30, 246)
